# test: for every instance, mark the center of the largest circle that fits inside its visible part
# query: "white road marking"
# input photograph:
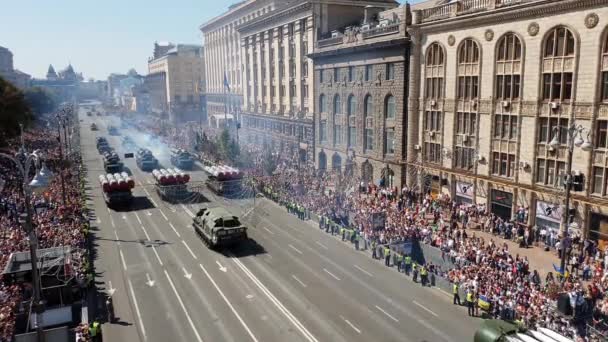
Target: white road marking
(186, 274)
(141, 322)
(187, 211)
(268, 230)
(222, 268)
(298, 280)
(229, 304)
(198, 337)
(387, 314)
(122, 259)
(112, 222)
(98, 221)
(351, 325)
(249, 296)
(175, 230)
(152, 200)
(108, 209)
(140, 184)
(295, 249)
(111, 289)
(138, 219)
(148, 212)
(310, 337)
(320, 244)
(165, 216)
(189, 250)
(124, 217)
(150, 282)
(117, 239)
(145, 232)
(331, 274)
(149, 182)
(425, 308)
(364, 271)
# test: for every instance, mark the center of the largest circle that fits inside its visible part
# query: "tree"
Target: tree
(227, 147)
(14, 110)
(40, 100)
(270, 161)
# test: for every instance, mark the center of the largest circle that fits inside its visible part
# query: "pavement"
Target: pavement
(290, 282)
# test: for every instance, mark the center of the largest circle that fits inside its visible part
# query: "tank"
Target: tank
(217, 227)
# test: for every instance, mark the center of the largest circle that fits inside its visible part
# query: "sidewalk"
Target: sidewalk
(539, 259)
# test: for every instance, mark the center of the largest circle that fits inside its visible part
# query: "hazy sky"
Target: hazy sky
(99, 37)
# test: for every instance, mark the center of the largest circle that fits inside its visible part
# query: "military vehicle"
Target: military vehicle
(494, 330)
(223, 180)
(145, 160)
(103, 146)
(116, 188)
(171, 184)
(112, 163)
(182, 159)
(217, 227)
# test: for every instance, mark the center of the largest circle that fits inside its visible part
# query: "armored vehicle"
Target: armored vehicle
(116, 188)
(182, 159)
(112, 163)
(145, 160)
(171, 184)
(217, 227)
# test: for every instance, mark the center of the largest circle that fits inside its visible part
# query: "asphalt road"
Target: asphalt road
(290, 282)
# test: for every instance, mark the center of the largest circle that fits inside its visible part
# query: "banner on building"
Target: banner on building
(549, 211)
(464, 190)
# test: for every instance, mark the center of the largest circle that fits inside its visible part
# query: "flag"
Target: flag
(226, 84)
(483, 302)
(558, 269)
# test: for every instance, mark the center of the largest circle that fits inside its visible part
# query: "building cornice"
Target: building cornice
(350, 49)
(527, 10)
(229, 15)
(270, 19)
(285, 119)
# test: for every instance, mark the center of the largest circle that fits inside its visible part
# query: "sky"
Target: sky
(99, 37)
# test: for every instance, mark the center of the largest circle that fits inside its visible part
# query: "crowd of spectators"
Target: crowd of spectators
(57, 223)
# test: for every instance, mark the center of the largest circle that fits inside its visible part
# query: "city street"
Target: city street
(291, 282)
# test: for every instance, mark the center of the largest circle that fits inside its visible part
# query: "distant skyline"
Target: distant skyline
(99, 38)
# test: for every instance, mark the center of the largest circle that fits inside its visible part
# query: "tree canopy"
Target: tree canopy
(13, 110)
(40, 100)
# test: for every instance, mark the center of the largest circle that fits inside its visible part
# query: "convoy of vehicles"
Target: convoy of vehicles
(494, 330)
(116, 188)
(223, 180)
(112, 163)
(145, 160)
(171, 184)
(103, 146)
(182, 159)
(217, 227)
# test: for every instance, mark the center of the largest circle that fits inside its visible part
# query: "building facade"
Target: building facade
(65, 84)
(18, 78)
(177, 76)
(223, 67)
(360, 99)
(498, 81)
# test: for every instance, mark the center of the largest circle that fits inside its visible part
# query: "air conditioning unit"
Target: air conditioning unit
(465, 138)
(432, 134)
(481, 159)
(524, 165)
(506, 104)
(550, 148)
(554, 105)
(433, 103)
(417, 147)
(474, 103)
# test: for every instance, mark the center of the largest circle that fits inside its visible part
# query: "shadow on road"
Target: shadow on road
(244, 249)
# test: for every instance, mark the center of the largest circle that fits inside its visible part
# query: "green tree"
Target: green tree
(14, 110)
(40, 100)
(270, 161)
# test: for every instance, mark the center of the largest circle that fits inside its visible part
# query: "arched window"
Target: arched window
(468, 90)
(322, 106)
(558, 65)
(389, 107)
(368, 129)
(337, 105)
(352, 130)
(604, 61)
(337, 120)
(508, 67)
(434, 71)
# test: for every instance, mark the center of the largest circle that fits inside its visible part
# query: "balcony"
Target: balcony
(462, 7)
(330, 41)
(381, 30)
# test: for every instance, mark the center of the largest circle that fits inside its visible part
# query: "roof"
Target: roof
(219, 212)
(47, 258)
(427, 4)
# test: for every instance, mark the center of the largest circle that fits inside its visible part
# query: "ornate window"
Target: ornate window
(508, 68)
(467, 93)
(434, 72)
(558, 65)
(337, 120)
(368, 129)
(604, 62)
(389, 107)
(352, 130)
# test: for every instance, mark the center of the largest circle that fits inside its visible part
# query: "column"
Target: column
(413, 113)
(244, 47)
(310, 79)
(267, 37)
(288, 75)
(298, 60)
(259, 38)
(277, 78)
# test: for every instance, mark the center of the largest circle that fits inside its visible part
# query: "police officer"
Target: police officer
(95, 330)
(408, 264)
(423, 275)
(321, 220)
(455, 288)
(343, 233)
(399, 262)
(356, 239)
(414, 273)
(387, 256)
(471, 302)
(374, 253)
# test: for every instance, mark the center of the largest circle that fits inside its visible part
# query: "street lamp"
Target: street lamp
(38, 184)
(575, 138)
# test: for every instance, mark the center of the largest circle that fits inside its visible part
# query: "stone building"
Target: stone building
(497, 81)
(360, 100)
(223, 56)
(18, 78)
(176, 75)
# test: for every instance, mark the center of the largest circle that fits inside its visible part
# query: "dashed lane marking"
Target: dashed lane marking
(189, 250)
(351, 325)
(331, 274)
(298, 280)
(387, 314)
(426, 309)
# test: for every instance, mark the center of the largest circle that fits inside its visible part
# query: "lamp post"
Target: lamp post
(575, 138)
(38, 183)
